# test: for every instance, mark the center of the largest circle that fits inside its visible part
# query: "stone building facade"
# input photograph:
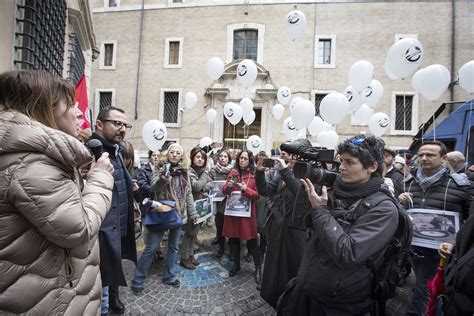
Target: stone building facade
(52, 35)
(153, 52)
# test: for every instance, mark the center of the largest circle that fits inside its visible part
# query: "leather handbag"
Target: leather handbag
(163, 218)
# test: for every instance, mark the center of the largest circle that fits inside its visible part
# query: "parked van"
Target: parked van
(455, 131)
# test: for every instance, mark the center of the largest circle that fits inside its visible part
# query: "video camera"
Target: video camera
(310, 162)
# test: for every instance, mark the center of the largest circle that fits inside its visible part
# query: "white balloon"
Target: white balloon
(215, 68)
(389, 72)
(334, 107)
(466, 77)
(247, 72)
(373, 93)
(254, 144)
(362, 115)
(379, 123)
(190, 99)
(233, 112)
(328, 139)
(354, 98)
(295, 24)
(431, 81)
(294, 101)
(289, 129)
(403, 58)
(303, 113)
(248, 119)
(205, 141)
(211, 115)
(316, 126)
(328, 127)
(278, 110)
(284, 95)
(360, 75)
(154, 134)
(247, 106)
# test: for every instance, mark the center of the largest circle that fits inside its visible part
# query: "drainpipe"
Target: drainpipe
(139, 59)
(453, 49)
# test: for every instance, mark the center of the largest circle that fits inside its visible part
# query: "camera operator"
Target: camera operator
(285, 232)
(334, 278)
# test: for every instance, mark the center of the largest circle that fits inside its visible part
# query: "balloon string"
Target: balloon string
(233, 139)
(469, 132)
(434, 120)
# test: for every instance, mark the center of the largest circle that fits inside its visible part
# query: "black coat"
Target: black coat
(397, 178)
(144, 175)
(334, 271)
(115, 246)
(285, 231)
(452, 192)
(459, 273)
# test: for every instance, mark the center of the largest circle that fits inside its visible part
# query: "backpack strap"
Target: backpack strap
(366, 204)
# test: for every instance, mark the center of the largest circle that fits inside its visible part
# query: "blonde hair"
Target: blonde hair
(185, 161)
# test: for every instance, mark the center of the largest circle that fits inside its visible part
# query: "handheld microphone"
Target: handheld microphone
(95, 146)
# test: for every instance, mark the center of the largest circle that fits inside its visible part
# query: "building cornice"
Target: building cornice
(216, 3)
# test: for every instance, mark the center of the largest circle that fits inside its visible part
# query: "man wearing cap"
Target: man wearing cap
(392, 172)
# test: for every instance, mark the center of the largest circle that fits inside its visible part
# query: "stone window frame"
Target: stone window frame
(319, 37)
(260, 28)
(102, 55)
(166, 63)
(97, 98)
(162, 106)
(106, 4)
(414, 113)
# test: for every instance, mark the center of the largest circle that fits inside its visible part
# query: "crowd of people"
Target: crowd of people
(67, 220)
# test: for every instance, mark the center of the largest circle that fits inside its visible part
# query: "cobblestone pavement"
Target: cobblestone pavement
(208, 290)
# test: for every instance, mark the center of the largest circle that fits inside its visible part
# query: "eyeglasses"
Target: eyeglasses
(119, 124)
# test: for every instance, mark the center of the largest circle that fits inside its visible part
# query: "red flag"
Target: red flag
(83, 103)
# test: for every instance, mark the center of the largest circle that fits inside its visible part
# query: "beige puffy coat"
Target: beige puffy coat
(49, 252)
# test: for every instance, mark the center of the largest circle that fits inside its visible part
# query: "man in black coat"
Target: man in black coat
(391, 172)
(117, 232)
(432, 185)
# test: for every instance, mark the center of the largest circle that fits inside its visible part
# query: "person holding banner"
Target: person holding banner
(201, 184)
(170, 182)
(432, 186)
(219, 173)
(240, 220)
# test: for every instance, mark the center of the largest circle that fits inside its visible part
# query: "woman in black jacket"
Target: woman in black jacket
(334, 278)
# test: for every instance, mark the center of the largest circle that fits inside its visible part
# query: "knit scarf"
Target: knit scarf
(223, 170)
(426, 181)
(349, 193)
(199, 170)
(178, 188)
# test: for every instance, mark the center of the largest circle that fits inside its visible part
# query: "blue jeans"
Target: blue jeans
(425, 268)
(104, 307)
(152, 244)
